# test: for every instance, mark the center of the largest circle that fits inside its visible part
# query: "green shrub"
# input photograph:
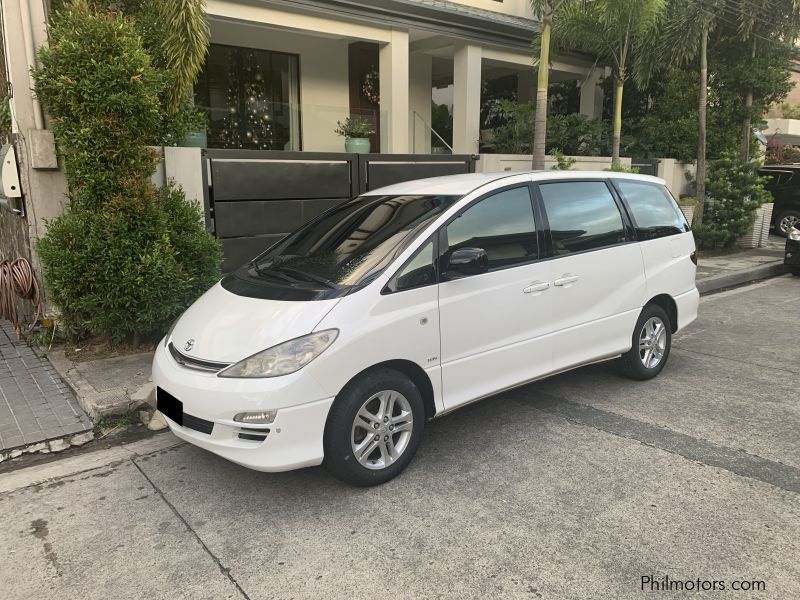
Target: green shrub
(127, 257)
(571, 135)
(97, 83)
(563, 162)
(734, 190)
(130, 267)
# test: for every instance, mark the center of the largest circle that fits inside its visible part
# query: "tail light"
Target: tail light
(693, 256)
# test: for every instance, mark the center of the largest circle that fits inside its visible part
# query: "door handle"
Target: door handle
(566, 280)
(536, 286)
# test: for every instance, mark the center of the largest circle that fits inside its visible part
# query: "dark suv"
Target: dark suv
(784, 185)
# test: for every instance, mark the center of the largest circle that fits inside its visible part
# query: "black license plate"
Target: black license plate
(169, 406)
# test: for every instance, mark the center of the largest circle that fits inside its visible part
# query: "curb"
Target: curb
(116, 401)
(709, 285)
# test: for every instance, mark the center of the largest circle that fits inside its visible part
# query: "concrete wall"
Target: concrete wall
(673, 172)
(491, 163)
(43, 185)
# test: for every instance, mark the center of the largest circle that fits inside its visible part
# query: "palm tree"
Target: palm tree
(545, 11)
(614, 31)
(185, 44)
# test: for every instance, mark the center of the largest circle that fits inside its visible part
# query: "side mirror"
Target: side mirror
(468, 261)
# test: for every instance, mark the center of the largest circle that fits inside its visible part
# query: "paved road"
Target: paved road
(575, 487)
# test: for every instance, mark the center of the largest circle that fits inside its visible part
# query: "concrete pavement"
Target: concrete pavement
(574, 487)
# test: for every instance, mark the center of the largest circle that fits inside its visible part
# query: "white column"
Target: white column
(393, 66)
(420, 93)
(466, 98)
(592, 95)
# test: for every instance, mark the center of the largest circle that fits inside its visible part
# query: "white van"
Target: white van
(339, 342)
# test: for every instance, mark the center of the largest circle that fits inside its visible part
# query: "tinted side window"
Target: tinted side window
(501, 224)
(417, 272)
(583, 216)
(653, 209)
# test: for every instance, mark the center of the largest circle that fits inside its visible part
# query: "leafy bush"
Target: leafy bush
(790, 111)
(127, 257)
(576, 135)
(781, 154)
(563, 162)
(130, 267)
(573, 134)
(97, 82)
(354, 127)
(734, 190)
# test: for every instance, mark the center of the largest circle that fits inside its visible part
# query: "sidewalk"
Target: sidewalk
(716, 271)
(38, 412)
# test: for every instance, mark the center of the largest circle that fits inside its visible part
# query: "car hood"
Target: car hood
(224, 327)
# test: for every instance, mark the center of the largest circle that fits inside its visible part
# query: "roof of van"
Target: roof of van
(459, 185)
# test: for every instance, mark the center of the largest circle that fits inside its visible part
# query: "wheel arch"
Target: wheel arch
(667, 302)
(411, 370)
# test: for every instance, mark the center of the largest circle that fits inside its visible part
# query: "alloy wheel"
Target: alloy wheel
(652, 342)
(787, 223)
(382, 429)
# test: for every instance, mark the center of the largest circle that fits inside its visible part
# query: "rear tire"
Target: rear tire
(374, 428)
(795, 271)
(651, 343)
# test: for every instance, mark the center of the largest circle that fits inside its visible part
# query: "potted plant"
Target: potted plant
(356, 132)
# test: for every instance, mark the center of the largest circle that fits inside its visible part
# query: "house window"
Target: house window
(251, 98)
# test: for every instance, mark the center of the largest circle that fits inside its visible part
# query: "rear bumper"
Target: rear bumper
(791, 257)
(687, 304)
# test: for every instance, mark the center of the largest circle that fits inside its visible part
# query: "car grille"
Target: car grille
(195, 363)
(198, 424)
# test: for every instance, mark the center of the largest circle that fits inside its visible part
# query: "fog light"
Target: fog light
(264, 417)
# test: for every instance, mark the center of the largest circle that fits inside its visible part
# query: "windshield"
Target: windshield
(350, 242)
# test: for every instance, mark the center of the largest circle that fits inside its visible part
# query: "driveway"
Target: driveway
(575, 487)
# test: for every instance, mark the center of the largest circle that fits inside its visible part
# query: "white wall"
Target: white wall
(492, 163)
(324, 90)
(673, 172)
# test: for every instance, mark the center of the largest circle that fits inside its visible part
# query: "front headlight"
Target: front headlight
(794, 234)
(284, 358)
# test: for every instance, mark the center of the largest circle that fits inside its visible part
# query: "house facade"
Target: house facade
(280, 74)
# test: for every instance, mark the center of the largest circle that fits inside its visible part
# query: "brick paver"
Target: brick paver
(35, 405)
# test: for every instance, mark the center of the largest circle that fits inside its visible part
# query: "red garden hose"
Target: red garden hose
(17, 280)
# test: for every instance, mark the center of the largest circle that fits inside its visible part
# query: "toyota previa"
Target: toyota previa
(339, 342)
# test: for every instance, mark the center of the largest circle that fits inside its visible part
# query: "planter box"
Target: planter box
(759, 232)
(688, 211)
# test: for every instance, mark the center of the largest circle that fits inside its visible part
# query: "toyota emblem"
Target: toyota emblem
(189, 345)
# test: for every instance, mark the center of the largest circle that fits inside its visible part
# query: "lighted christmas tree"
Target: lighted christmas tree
(260, 133)
(231, 133)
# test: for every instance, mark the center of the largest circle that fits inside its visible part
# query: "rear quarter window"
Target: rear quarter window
(653, 210)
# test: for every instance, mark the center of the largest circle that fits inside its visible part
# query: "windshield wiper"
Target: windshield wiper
(307, 276)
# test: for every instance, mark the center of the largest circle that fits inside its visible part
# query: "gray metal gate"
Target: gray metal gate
(646, 166)
(254, 198)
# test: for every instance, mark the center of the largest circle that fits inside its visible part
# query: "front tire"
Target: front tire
(374, 428)
(651, 343)
(795, 271)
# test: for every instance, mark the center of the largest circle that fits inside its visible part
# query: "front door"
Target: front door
(494, 325)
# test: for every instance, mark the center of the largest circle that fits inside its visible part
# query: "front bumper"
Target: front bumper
(293, 439)
(791, 257)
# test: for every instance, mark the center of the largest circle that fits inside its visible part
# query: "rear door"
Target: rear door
(597, 269)
(495, 325)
